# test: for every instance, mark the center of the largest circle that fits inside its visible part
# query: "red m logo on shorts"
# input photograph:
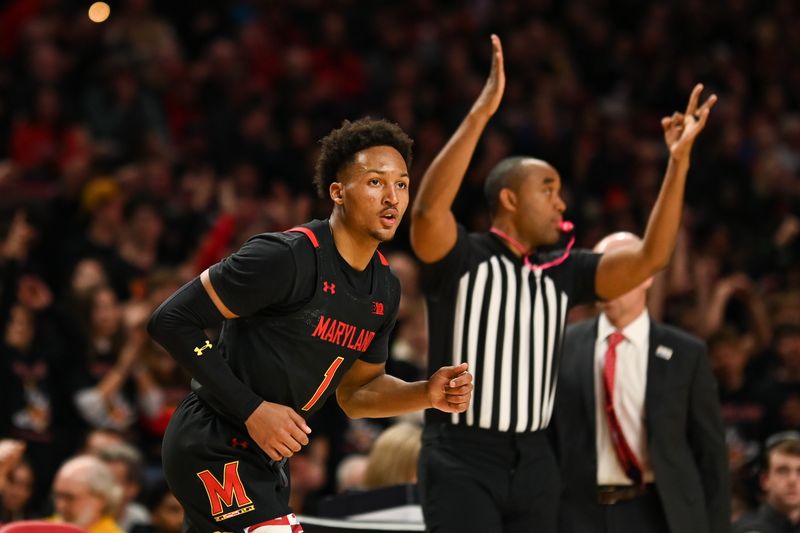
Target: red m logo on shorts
(220, 494)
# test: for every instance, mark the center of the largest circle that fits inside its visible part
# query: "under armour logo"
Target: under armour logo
(377, 308)
(329, 287)
(236, 443)
(199, 349)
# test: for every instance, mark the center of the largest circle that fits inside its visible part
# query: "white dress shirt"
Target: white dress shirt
(629, 394)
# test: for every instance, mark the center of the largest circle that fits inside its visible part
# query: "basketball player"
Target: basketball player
(306, 313)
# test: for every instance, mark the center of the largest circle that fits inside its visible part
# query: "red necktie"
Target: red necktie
(627, 459)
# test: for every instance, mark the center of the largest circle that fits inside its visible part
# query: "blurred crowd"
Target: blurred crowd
(137, 152)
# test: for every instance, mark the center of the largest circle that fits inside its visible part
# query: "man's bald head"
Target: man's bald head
(84, 490)
(508, 174)
(623, 309)
(620, 239)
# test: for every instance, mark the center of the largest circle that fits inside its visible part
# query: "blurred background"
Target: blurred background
(140, 148)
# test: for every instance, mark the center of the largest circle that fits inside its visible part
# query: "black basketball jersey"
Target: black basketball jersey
(295, 352)
(488, 308)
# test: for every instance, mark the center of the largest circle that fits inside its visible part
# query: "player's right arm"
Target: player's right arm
(179, 323)
(433, 226)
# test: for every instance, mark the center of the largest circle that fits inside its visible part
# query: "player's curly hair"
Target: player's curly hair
(340, 145)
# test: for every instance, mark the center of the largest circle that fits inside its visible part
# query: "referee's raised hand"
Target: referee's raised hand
(492, 93)
(450, 389)
(681, 129)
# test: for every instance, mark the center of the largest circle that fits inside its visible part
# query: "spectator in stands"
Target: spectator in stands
(350, 473)
(102, 204)
(15, 497)
(138, 246)
(34, 396)
(782, 385)
(125, 462)
(10, 455)
(104, 391)
(165, 511)
(393, 459)
(741, 398)
(86, 494)
(99, 439)
(780, 481)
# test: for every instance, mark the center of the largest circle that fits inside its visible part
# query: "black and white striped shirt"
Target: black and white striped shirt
(507, 321)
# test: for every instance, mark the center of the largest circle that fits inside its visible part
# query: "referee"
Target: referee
(498, 304)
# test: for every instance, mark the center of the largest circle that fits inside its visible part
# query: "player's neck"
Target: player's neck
(354, 249)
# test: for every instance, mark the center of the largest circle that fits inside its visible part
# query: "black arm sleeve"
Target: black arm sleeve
(178, 325)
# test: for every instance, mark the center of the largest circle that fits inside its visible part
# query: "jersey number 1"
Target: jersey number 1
(325, 383)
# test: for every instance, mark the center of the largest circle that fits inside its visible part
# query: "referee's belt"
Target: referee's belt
(611, 494)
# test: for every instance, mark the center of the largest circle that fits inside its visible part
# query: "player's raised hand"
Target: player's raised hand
(681, 129)
(492, 93)
(278, 430)
(450, 389)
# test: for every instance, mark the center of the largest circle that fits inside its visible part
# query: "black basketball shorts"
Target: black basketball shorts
(224, 481)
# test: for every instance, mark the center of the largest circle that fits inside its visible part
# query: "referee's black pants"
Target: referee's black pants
(475, 480)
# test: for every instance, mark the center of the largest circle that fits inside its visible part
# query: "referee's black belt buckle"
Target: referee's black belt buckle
(611, 494)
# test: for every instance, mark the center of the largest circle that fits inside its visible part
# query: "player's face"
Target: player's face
(782, 481)
(540, 208)
(373, 191)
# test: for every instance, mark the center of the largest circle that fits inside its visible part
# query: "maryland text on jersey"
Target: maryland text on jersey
(344, 334)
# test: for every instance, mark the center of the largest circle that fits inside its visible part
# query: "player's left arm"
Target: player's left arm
(366, 391)
(623, 269)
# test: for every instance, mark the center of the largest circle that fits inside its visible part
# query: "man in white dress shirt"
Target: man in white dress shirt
(638, 432)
